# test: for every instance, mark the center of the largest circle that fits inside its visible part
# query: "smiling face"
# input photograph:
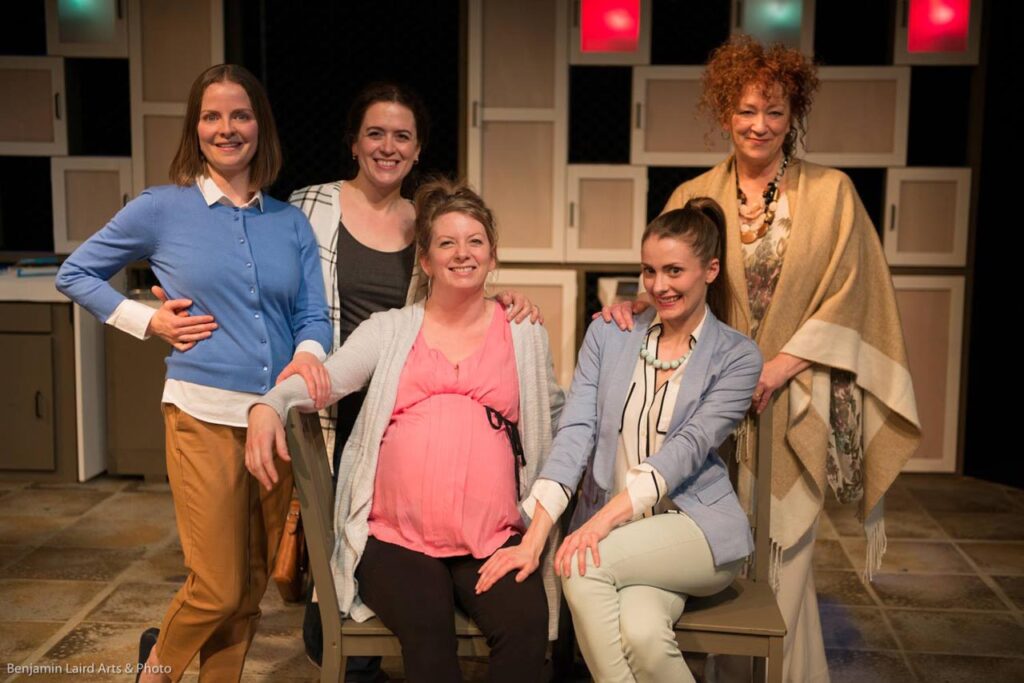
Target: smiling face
(460, 255)
(675, 277)
(227, 129)
(387, 144)
(759, 125)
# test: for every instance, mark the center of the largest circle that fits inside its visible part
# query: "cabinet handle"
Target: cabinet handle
(56, 105)
(120, 9)
(39, 405)
(124, 199)
(892, 217)
(476, 113)
(572, 214)
(639, 111)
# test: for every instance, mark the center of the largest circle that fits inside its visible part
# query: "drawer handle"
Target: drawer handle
(39, 405)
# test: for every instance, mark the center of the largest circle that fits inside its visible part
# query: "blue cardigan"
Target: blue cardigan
(715, 394)
(256, 272)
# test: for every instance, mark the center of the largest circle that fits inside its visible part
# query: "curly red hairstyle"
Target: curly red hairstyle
(742, 61)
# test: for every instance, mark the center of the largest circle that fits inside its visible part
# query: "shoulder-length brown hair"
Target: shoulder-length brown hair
(189, 162)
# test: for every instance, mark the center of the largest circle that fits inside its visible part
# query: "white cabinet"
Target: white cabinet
(927, 219)
(607, 213)
(87, 192)
(32, 118)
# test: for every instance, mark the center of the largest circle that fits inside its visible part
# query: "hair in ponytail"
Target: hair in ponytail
(701, 224)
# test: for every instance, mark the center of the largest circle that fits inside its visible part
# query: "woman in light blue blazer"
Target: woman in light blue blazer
(645, 413)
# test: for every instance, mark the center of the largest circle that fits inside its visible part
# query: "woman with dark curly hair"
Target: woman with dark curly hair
(810, 285)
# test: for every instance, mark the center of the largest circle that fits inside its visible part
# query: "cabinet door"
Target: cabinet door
(607, 208)
(87, 192)
(97, 28)
(32, 120)
(928, 216)
(135, 425)
(26, 403)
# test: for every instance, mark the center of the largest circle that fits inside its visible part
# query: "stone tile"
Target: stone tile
(969, 633)
(10, 553)
(276, 654)
(987, 526)
(164, 565)
(279, 615)
(93, 652)
(959, 668)
(855, 628)
(148, 487)
(155, 506)
(135, 603)
(33, 600)
(1016, 496)
(828, 554)
(19, 638)
(1013, 586)
(943, 482)
(76, 564)
(898, 524)
(912, 556)
(935, 591)
(32, 502)
(849, 666)
(996, 558)
(989, 499)
(30, 530)
(840, 588)
(825, 527)
(104, 482)
(100, 530)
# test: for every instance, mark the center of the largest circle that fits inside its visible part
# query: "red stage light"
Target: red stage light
(938, 25)
(609, 25)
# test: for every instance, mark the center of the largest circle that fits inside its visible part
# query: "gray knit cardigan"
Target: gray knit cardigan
(375, 354)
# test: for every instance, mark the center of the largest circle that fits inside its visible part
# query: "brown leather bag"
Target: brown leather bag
(291, 562)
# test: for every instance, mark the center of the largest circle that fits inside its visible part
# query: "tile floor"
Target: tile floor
(85, 567)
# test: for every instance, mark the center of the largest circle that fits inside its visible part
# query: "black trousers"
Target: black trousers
(415, 596)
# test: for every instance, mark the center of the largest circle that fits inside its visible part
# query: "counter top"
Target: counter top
(35, 288)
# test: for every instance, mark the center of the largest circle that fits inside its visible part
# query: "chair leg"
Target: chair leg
(775, 660)
(332, 664)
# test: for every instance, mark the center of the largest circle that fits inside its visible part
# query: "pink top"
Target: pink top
(445, 481)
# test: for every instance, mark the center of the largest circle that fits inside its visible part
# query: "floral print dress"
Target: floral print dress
(762, 260)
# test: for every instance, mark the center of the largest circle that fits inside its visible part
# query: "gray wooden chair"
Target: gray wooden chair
(343, 638)
(744, 619)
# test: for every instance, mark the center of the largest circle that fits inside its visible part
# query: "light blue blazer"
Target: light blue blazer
(715, 394)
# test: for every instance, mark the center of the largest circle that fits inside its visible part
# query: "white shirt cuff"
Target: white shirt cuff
(646, 487)
(132, 317)
(313, 347)
(550, 494)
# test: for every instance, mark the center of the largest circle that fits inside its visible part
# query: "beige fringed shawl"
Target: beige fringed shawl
(834, 305)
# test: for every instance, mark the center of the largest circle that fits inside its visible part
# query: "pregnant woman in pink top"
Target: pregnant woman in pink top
(457, 422)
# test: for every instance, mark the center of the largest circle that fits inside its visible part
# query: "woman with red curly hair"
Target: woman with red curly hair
(845, 417)
(810, 285)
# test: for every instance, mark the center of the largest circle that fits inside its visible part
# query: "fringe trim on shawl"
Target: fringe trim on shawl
(775, 565)
(874, 529)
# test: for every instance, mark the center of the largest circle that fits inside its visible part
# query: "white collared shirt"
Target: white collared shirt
(646, 417)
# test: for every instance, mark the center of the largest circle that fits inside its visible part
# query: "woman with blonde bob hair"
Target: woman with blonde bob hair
(243, 304)
(456, 423)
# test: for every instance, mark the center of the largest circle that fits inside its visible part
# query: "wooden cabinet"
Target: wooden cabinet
(135, 425)
(607, 213)
(32, 118)
(87, 192)
(927, 219)
(37, 406)
(517, 92)
(931, 308)
(96, 28)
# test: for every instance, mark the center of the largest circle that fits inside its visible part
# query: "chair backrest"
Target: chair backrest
(316, 498)
(761, 517)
